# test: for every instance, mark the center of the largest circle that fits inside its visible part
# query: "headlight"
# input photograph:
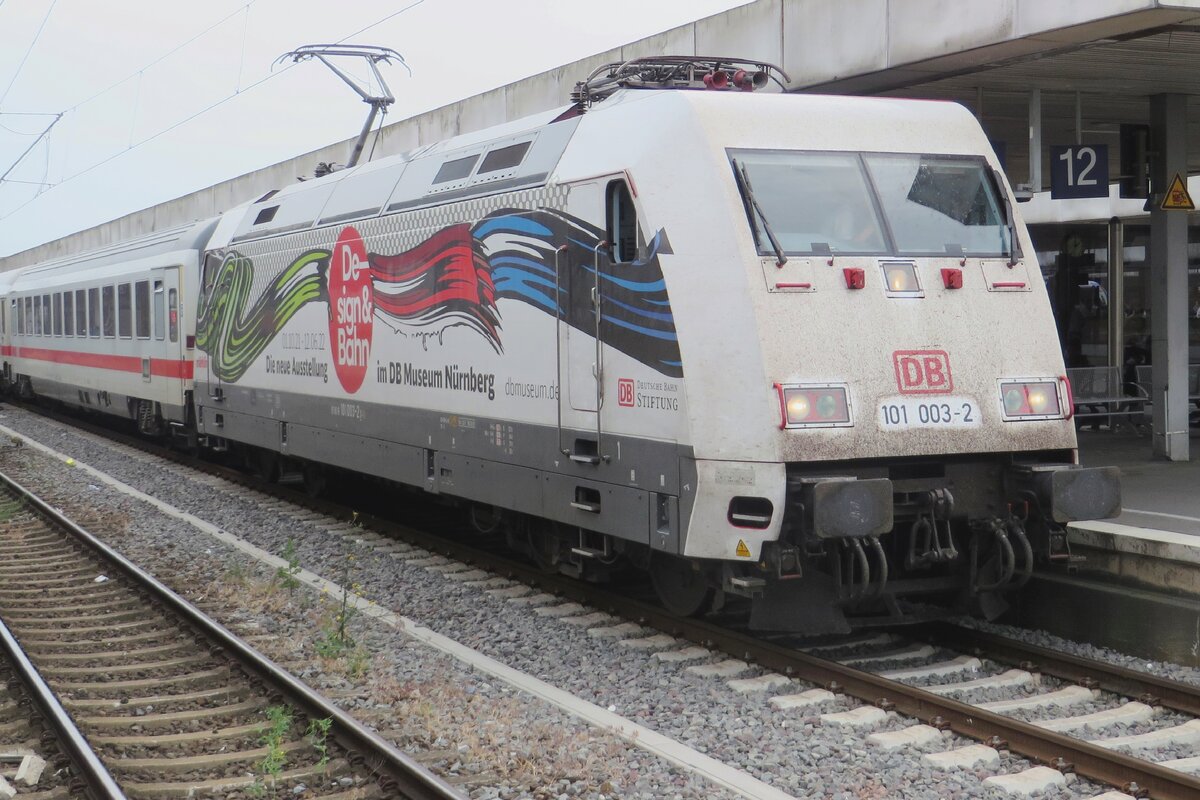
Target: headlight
(900, 278)
(813, 406)
(1030, 399)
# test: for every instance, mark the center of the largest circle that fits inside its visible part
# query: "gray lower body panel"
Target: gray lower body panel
(516, 466)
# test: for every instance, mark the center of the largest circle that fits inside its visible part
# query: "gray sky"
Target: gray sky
(130, 84)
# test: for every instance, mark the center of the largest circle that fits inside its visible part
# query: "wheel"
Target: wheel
(267, 465)
(681, 588)
(314, 479)
(541, 540)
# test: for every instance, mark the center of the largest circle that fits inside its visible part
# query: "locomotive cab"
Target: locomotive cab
(879, 409)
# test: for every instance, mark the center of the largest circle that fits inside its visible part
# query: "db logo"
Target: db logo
(923, 371)
(625, 392)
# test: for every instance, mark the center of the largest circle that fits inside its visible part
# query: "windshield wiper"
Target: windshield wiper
(743, 182)
(1008, 213)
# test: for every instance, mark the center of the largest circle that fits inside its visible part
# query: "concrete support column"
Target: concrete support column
(1035, 140)
(1169, 280)
(1116, 293)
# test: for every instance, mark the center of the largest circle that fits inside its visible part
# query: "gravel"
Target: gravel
(793, 751)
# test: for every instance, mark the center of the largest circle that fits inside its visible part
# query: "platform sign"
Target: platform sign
(1078, 170)
(1177, 197)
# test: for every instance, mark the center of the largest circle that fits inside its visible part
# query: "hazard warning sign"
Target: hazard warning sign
(1177, 197)
(742, 551)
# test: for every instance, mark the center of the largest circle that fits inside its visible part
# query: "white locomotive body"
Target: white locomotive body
(794, 348)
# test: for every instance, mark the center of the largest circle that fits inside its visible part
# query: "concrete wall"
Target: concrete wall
(853, 46)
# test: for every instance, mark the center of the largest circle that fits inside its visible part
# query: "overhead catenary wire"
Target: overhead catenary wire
(137, 72)
(33, 144)
(381, 21)
(236, 93)
(24, 58)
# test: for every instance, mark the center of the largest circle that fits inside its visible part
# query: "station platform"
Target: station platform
(1156, 539)
(1134, 581)
(1156, 494)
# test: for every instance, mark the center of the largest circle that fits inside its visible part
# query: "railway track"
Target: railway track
(878, 679)
(171, 703)
(41, 750)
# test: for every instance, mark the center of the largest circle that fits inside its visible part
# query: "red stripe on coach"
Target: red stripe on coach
(161, 367)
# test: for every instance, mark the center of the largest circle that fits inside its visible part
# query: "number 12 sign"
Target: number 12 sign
(1078, 170)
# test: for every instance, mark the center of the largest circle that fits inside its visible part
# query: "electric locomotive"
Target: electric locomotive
(789, 348)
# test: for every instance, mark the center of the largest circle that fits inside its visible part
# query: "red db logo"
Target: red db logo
(625, 392)
(923, 371)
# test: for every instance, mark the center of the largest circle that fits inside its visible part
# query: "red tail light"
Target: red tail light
(952, 278)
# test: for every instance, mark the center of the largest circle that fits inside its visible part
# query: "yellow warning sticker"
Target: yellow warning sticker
(742, 551)
(1177, 197)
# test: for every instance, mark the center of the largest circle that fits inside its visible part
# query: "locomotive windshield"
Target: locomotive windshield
(875, 203)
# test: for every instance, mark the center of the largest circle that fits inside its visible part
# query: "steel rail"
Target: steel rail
(1150, 689)
(1083, 758)
(1055, 749)
(100, 785)
(402, 775)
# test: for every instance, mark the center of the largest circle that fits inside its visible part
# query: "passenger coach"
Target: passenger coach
(106, 330)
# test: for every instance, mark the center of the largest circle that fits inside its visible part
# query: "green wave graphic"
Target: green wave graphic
(234, 335)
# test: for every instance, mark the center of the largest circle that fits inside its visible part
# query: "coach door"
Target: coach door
(212, 267)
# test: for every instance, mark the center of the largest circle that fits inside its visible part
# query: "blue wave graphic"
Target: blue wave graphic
(637, 317)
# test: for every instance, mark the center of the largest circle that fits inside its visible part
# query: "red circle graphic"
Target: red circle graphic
(351, 309)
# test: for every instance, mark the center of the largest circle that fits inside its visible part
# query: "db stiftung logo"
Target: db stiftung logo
(625, 392)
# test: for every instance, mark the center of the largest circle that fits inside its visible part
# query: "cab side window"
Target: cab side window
(621, 222)
(212, 265)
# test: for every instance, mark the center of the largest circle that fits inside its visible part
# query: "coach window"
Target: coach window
(124, 311)
(622, 223)
(173, 315)
(141, 308)
(30, 317)
(56, 310)
(159, 316)
(20, 316)
(81, 312)
(108, 303)
(68, 314)
(46, 324)
(94, 313)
